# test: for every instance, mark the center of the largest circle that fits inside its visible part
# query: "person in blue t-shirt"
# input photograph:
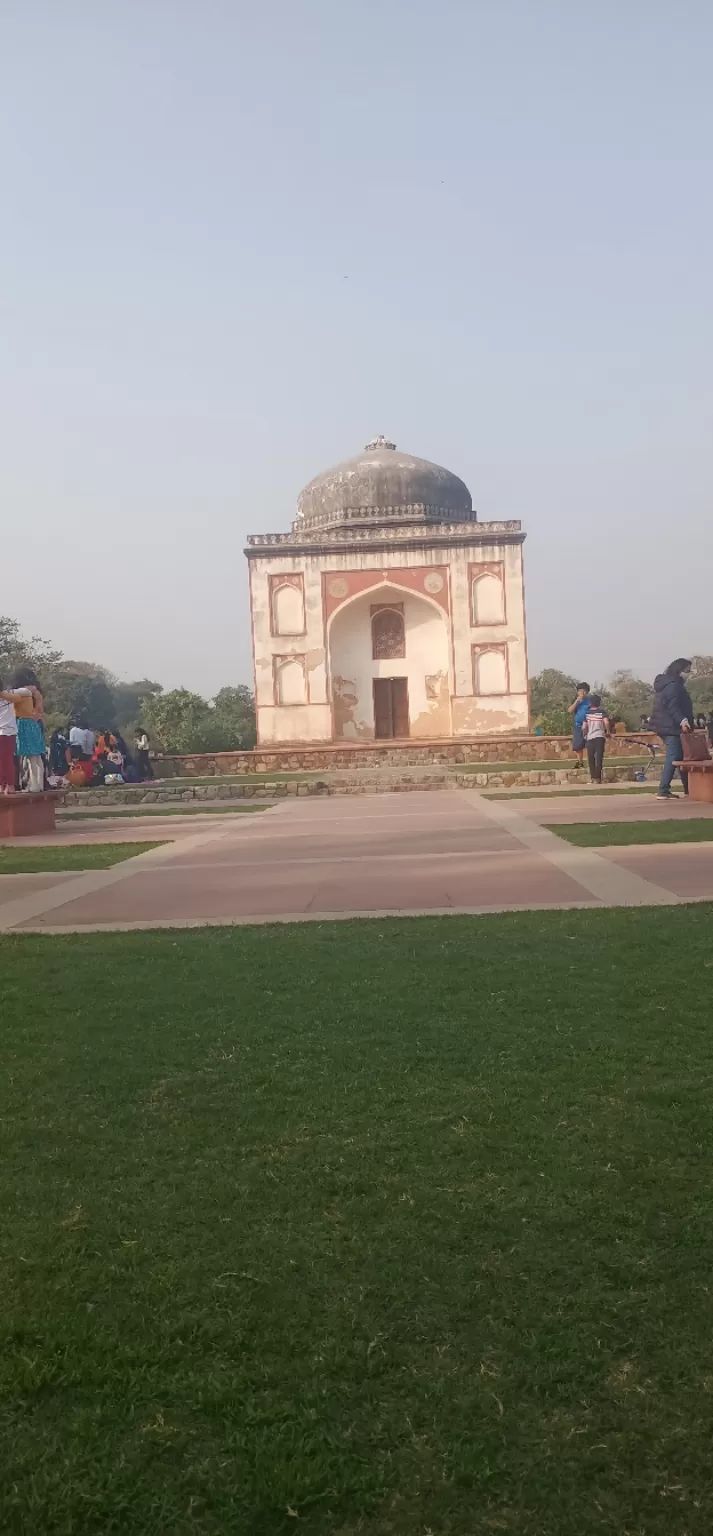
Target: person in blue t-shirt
(579, 708)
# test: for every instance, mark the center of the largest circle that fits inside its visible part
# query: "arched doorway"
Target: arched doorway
(389, 667)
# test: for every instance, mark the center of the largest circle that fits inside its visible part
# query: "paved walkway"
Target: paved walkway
(431, 852)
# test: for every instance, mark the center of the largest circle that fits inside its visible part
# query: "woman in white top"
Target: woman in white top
(8, 738)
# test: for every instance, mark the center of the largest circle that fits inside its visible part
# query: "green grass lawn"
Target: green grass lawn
(543, 764)
(558, 794)
(239, 778)
(196, 808)
(603, 834)
(359, 1229)
(40, 859)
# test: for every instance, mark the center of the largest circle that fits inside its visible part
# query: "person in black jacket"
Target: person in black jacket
(671, 715)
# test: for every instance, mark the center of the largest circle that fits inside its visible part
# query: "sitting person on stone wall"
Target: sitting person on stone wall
(82, 771)
(82, 737)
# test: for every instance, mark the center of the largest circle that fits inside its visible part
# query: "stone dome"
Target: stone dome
(383, 485)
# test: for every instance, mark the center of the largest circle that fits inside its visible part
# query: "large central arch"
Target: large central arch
(389, 633)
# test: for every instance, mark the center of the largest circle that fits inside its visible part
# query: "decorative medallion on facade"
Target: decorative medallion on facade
(337, 586)
(433, 582)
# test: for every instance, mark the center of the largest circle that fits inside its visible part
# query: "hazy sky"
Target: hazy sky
(239, 240)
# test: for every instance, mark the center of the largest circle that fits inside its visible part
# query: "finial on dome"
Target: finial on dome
(379, 442)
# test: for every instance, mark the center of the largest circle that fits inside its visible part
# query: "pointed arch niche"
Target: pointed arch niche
(402, 639)
(388, 633)
(287, 604)
(290, 680)
(490, 670)
(487, 594)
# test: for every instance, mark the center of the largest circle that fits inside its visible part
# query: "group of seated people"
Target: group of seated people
(83, 758)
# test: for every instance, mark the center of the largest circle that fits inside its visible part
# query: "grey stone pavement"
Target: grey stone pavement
(437, 851)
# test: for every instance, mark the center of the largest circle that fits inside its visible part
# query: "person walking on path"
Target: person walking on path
(671, 715)
(579, 709)
(596, 727)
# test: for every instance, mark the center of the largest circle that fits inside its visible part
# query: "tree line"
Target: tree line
(626, 697)
(181, 721)
(84, 692)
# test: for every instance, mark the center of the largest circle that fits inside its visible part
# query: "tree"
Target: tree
(629, 697)
(181, 721)
(171, 719)
(17, 652)
(551, 692)
(80, 690)
(235, 709)
(130, 698)
(700, 684)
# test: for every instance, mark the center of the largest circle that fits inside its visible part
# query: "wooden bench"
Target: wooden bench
(700, 779)
(24, 815)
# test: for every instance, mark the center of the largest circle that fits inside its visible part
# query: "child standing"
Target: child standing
(579, 709)
(596, 728)
(8, 738)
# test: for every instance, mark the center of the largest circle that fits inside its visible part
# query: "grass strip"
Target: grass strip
(543, 765)
(559, 794)
(126, 813)
(42, 859)
(619, 834)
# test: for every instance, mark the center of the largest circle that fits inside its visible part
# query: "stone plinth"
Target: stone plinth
(700, 780)
(390, 754)
(26, 815)
(355, 783)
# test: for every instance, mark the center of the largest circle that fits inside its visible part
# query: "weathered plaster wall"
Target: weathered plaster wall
(425, 665)
(445, 572)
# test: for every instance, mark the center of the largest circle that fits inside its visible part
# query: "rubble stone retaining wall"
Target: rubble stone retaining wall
(365, 784)
(388, 754)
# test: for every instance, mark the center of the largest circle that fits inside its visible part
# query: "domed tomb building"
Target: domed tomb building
(388, 610)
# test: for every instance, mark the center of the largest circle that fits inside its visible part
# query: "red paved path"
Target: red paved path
(416, 852)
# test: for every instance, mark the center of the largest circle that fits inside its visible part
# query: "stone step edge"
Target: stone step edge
(365, 784)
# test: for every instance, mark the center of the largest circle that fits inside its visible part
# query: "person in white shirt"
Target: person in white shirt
(143, 748)
(596, 728)
(81, 736)
(8, 739)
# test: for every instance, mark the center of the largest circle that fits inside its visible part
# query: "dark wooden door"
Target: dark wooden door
(399, 705)
(383, 713)
(390, 707)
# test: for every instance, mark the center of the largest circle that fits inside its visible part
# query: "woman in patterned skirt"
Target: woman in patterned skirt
(30, 748)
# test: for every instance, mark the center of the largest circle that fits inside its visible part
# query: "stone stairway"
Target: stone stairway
(353, 781)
